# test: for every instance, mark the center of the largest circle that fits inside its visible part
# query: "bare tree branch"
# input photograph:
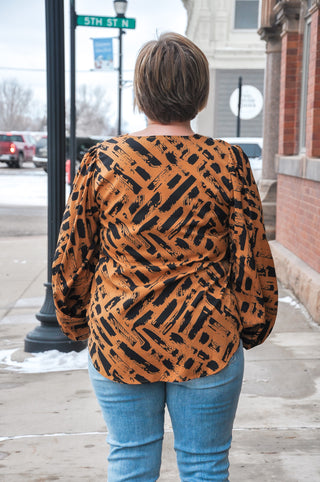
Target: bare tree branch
(15, 103)
(92, 112)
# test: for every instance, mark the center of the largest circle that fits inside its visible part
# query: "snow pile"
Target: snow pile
(47, 361)
(290, 301)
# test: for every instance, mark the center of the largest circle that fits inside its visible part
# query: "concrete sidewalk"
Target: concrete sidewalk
(52, 428)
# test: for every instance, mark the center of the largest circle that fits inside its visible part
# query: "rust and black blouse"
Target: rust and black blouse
(162, 259)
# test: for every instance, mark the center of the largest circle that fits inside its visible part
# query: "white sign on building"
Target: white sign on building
(251, 102)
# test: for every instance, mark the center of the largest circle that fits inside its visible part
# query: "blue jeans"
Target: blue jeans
(202, 412)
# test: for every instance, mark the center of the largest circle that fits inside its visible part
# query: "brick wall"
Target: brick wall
(313, 102)
(298, 215)
(290, 85)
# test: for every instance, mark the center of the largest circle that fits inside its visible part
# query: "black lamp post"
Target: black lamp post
(120, 7)
(49, 336)
(72, 138)
(239, 106)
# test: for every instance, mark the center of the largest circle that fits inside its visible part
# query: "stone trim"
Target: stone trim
(296, 275)
(312, 169)
(288, 15)
(271, 34)
(299, 166)
(314, 7)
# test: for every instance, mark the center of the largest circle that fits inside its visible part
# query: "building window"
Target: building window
(246, 14)
(304, 84)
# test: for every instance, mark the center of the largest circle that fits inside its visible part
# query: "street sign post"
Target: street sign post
(106, 22)
(121, 22)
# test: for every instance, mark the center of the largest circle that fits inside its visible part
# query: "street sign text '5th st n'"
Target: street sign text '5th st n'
(109, 22)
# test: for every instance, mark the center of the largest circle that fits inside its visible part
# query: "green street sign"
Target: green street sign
(107, 22)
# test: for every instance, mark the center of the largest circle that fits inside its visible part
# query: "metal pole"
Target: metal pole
(120, 82)
(72, 142)
(239, 106)
(48, 336)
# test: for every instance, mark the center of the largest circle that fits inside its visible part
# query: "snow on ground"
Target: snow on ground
(47, 361)
(290, 301)
(25, 188)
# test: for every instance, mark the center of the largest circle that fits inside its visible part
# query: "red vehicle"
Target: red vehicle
(16, 148)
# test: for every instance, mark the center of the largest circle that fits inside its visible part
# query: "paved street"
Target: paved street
(23, 201)
(51, 425)
(23, 220)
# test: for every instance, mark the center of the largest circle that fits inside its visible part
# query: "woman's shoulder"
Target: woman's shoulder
(219, 143)
(135, 146)
(107, 142)
(105, 147)
(219, 147)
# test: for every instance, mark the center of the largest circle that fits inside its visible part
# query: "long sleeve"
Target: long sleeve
(76, 254)
(253, 274)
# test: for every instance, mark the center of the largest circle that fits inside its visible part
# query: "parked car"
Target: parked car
(40, 158)
(83, 144)
(252, 146)
(16, 148)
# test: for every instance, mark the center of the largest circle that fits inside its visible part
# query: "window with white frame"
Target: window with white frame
(304, 83)
(246, 14)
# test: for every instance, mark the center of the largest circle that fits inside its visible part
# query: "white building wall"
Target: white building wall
(211, 27)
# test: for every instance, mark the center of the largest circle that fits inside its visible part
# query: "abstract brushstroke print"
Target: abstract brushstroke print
(162, 260)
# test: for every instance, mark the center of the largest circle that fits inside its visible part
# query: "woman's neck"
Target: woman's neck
(156, 129)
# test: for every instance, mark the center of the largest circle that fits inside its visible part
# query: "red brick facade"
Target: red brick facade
(290, 183)
(298, 219)
(290, 85)
(298, 189)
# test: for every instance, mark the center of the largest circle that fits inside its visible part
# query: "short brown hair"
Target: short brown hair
(171, 79)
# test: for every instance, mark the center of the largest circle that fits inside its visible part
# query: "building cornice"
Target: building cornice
(270, 34)
(287, 14)
(279, 17)
(315, 6)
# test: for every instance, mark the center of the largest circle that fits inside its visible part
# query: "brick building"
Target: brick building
(290, 184)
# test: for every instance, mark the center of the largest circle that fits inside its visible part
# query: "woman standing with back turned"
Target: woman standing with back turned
(163, 263)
